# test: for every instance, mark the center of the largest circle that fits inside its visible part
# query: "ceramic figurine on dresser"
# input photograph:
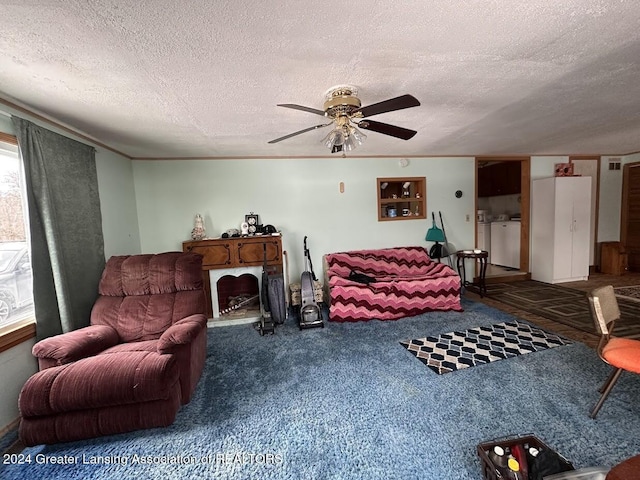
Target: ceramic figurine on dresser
(198, 232)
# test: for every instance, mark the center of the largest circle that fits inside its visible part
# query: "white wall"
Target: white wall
(118, 204)
(16, 366)
(631, 158)
(299, 197)
(121, 236)
(610, 202)
(543, 167)
(500, 204)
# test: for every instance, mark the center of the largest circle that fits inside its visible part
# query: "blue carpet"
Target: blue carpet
(348, 401)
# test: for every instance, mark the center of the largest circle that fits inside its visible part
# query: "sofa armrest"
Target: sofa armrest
(182, 332)
(71, 346)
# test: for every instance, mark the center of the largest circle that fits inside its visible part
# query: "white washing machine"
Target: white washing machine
(484, 238)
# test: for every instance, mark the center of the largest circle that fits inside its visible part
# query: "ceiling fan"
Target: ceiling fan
(343, 107)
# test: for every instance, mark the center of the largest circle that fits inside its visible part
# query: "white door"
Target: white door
(563, 229)
(589, 168)
(581, 227)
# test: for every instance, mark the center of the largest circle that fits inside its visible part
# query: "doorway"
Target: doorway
(630, 215)
(503, 204)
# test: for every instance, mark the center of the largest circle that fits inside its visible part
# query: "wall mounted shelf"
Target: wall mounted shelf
(401, 198)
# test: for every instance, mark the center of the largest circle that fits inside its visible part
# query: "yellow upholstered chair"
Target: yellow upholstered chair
(620, 353)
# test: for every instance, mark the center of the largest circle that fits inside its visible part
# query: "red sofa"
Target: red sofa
(137, 362)
(405, 282)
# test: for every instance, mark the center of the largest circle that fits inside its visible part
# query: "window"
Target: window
(16, 279)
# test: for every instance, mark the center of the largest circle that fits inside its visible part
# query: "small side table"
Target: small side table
(481, 257)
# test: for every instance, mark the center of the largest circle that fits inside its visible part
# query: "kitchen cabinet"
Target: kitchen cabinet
(499, 179)
(560, 229)
(505, 244)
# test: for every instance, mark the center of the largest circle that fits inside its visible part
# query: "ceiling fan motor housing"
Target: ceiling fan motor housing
(341, 101)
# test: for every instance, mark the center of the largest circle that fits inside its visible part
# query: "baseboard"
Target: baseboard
(228, 322)
(507, 278)
(13, 425)
(9, 436)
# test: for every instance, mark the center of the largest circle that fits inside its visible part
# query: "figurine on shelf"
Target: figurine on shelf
(232, 232)
(198, 232)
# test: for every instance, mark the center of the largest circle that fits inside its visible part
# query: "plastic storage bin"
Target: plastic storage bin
(489, 471)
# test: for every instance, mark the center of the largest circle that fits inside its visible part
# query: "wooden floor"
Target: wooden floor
(595, 280)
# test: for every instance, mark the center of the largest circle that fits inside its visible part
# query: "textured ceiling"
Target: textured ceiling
(170, 79)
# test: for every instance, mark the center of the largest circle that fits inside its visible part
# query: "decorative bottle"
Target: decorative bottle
(198, 232)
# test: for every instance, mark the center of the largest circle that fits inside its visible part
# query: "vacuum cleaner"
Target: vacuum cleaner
(310, 312)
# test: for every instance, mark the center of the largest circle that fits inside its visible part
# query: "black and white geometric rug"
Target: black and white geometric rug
(457, 350)
(630, 293)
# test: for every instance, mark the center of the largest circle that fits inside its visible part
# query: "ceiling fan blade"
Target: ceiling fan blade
(303, 108)
(385, 128)
(398, 103)
(299, 132)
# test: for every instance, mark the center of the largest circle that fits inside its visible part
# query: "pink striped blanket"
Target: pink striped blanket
(406, 282)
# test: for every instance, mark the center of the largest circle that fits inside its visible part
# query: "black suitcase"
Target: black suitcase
(272, 296)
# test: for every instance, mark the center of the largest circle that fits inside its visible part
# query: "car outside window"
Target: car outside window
(16, 279)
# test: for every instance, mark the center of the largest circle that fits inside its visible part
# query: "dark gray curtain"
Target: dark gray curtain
(67, 247)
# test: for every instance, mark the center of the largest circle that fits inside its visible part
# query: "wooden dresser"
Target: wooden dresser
(613, 258)
(234, 252)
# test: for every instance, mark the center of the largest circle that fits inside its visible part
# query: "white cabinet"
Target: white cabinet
(484, 238)
(560, 229)
(505, 244)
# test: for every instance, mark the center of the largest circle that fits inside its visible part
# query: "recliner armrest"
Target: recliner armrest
(182, 332)
(71, 346)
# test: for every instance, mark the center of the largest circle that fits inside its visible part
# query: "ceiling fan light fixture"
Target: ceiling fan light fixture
(358, 136)
(354, 138)
(343, 135)
(349, 144)
(334, 138)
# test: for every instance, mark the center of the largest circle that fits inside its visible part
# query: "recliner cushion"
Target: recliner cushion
(145, 346)
(151, 274)
(100, 381)
(142, 295)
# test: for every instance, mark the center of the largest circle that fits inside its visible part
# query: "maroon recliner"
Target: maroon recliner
(137, 362)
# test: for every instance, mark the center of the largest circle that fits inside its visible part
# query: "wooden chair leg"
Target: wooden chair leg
(611, 381)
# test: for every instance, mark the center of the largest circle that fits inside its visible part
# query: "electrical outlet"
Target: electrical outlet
(468, 217)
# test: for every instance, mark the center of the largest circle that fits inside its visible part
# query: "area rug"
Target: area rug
(564, 305)
(630, 293)
(453, 351)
